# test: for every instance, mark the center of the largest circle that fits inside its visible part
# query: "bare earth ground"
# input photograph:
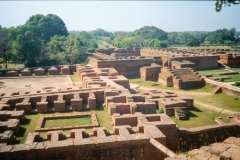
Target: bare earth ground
(33, 84)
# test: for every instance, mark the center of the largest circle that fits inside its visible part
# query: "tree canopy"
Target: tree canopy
(220, 36)
(220, 3)
(151, 32)
(48, 26)
(4, 44)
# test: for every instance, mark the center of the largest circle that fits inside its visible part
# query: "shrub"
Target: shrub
(160, 110)
(237, 83)
(221, 79)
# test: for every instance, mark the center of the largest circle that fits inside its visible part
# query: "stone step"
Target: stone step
(179, 113)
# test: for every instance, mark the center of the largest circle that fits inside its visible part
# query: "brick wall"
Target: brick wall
(203, 136)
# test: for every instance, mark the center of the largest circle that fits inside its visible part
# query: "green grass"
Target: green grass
(220, 100)
(76, 79)
(234, 77)
(1, 83)
(13, 65)
(67, 122)
(199, 117)
(31, 120)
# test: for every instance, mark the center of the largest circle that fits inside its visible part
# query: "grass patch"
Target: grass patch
(214, 72)
(67, 122)
(234, 77)
(199, 117)
(160, 110)
(13, 65)
(76, 79)
(220, 100)
(31, 120)
(1, 83)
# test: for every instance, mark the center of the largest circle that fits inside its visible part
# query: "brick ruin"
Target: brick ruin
(35, 71)
(201, 60)
(149, 62)
(150, 73)
(127, 66)
(40, 126)
(228, 149)
(102, 85)
(180, 78)
(230, 58)
(72, 99)
(9, 125)
(155, 135)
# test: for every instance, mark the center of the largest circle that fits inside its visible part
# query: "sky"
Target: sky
(125, 15)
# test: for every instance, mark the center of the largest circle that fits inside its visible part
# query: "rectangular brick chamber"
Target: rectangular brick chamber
(40, 126)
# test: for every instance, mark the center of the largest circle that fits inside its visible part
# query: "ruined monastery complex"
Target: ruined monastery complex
(138, 131)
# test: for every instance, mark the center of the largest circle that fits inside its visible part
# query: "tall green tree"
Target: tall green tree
(151, 32)
(27, 43)
(100, 32)
(48, 26)
(4, 45)
(75, 48)
(193, 43)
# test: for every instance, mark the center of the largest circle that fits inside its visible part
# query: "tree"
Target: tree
(75, 48)
(137, 41)
(193, 43)
(151, 32)
(220, 36)
(173, 38)
(27, 44)
(85, 35)
(48, 26)
(155, 43)
(56, 44)
(220, 3)
(122, 33)
(4, 45)
(99, 33)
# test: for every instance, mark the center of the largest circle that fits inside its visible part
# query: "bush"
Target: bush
(221, 79)
(160, 110)
(237, 83)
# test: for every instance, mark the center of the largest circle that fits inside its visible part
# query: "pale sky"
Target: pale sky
(125, 15)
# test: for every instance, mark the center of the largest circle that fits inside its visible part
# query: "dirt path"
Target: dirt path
(201, 104)
(105, 43)
(211, 107)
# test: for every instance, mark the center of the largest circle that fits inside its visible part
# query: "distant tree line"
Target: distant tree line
(44, 40)
(150, 36)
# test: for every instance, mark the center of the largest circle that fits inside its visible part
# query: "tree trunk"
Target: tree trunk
(6, 64)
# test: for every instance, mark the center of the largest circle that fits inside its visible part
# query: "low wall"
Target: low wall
(225, 90)
(77, 149)
(71, 67)
(203, 136)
